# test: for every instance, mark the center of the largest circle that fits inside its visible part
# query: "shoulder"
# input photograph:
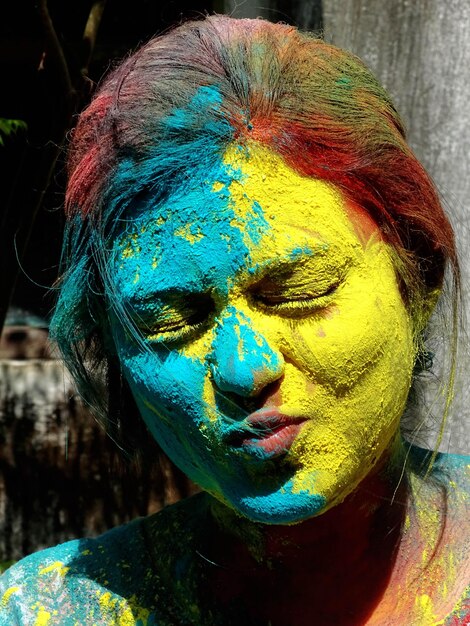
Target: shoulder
(80, 582)
(460, 616)
(441, 504)
(451, 469)
(131, 575)
(442, 484)
(441, 492)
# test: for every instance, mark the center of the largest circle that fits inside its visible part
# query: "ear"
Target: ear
(423, 357)
(427, 307)
(430, 302)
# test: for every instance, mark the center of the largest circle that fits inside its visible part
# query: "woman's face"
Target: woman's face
(277, 352)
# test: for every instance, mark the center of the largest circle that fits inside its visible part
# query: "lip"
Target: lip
(274, 435)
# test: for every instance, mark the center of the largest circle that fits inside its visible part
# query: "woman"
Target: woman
(253, 256)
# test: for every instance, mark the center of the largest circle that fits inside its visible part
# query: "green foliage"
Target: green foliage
(4, 565)
(9, 127)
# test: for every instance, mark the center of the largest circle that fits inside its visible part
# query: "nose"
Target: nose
(242, 361)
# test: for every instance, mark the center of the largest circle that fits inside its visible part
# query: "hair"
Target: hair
(176, 104)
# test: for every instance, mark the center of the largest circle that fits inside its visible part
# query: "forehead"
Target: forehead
(250, 210)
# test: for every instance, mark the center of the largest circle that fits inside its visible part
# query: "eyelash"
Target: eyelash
(172, 336)
(308, 304)
(289, 307)
(187, 324)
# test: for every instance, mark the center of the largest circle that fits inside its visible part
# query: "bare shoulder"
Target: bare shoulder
(107, 577)
(130, 575)
(450, 472)
(456, 468)
(441, 535)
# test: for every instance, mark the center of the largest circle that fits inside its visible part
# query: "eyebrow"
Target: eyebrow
(161, 297)
(297, 257)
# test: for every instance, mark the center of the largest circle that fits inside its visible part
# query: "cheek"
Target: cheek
(169, 384)
(367, 331)
(170, 393)
(359, 359)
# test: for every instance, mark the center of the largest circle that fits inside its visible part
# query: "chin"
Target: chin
(278, 507)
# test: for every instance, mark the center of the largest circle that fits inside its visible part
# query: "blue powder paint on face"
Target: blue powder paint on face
(183, 236)
(280, 507)
(255, 228)
(239, 353)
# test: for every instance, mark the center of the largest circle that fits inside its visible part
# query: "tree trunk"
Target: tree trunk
(60, 475)
(305, 14)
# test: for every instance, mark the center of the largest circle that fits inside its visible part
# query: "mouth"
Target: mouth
(267, 432)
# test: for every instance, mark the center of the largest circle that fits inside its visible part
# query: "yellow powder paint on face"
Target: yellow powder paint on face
(185, 232)
(366, 356)
(217, 186)
(350, 360)
(131, 247)
(359, 366)
(208, 397)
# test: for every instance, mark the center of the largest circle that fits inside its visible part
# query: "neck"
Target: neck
(351, 547)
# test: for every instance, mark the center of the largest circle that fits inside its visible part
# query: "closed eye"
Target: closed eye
(179, 318)
(295, 302)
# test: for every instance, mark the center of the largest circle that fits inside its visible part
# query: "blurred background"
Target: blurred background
(60, 476)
